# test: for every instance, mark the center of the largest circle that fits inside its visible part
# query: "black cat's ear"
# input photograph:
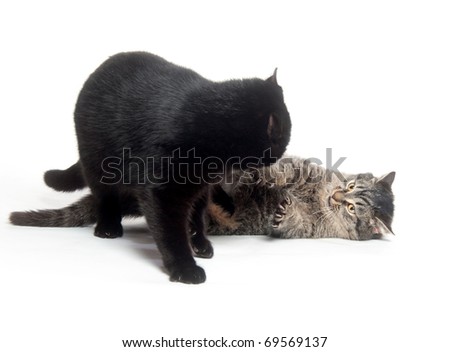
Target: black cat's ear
(274, 128)
(273, 78)
(387, 179)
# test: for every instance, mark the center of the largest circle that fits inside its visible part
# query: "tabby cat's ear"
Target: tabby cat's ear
(381, 228)
(273, 78)
(388, 178)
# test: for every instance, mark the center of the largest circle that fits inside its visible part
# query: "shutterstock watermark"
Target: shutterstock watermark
(186, 167)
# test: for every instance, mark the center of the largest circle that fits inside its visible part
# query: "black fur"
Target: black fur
(152, 108)
(68, 180)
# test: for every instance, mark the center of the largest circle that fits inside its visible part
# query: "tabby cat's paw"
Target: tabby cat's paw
(201, 246)
(260, 180)
(188, 275)
(256, 178)
(280, 212)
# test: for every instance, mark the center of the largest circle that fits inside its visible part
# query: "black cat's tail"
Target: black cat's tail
(68, 180)
(79, 214)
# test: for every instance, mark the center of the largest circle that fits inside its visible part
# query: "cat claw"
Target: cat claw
(256, 176)
(281, 208)
(278, 218)
(288, 200)
(280, 211)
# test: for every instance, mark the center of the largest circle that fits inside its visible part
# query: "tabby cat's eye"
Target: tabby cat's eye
(351, 208)
(351, 186)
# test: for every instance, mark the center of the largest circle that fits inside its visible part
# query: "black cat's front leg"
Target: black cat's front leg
(109, 216)
(201, 246)
(167, 211)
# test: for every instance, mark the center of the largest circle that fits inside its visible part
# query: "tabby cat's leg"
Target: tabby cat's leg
(167, 211)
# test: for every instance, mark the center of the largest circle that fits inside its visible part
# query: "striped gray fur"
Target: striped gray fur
(298, 199)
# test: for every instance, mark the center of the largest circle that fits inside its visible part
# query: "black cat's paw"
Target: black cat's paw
(201, 246)
(107, 230)
(280, 212)
(188, 275)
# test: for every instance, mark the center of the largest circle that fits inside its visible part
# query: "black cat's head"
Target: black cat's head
(364, 205)
(268, 123)
(244, 120)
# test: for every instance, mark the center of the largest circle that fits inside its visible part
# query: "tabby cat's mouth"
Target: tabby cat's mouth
(336, 198)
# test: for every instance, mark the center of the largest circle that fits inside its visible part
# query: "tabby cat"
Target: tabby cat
(298, 199)
(135, 112)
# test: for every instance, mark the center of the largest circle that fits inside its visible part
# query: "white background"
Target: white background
(369, 79)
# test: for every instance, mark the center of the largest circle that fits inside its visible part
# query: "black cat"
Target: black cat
(152, 137)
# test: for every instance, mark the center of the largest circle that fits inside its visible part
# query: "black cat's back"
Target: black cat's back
(128, 90)
(139, 82)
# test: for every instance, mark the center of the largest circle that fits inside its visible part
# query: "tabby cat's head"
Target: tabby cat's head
(364, 205)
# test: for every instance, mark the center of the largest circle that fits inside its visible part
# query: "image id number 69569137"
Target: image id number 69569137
(295, 341)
